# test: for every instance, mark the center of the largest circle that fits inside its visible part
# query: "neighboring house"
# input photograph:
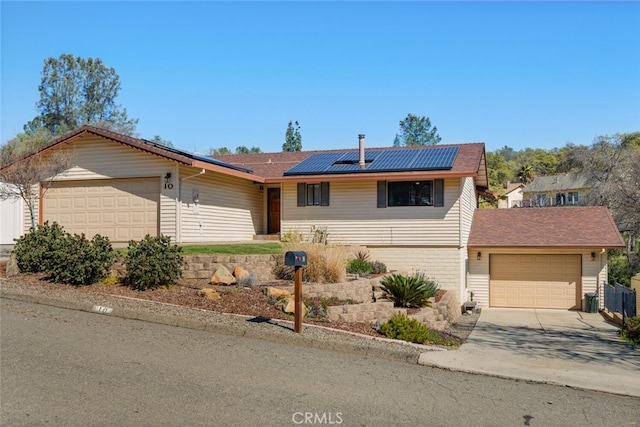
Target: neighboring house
(11, 219)
(512, 197)
(411, 207)
(569, 189)
(545, 258)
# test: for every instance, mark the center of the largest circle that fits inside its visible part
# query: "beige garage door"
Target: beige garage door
(121, 209)
(535, 281)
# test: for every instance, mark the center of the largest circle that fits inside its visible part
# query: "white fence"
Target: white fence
(11, 220)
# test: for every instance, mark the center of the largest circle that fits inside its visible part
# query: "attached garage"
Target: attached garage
(539, 257)
(535, 280)
(121, 209)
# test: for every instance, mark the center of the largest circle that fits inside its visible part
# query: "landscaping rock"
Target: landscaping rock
(222, 276)
(288, 305)
(276, 293)
(240, 273)
(210, 294)
(12, 268)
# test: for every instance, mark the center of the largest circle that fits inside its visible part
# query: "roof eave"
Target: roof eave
(371, 176)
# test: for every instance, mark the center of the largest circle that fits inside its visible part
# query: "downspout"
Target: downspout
(179, 197)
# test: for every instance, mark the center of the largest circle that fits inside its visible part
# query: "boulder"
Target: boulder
(222, 276)
(288, 305)
(209, 293)
(276, 293)
(12, 266)
(240, 273)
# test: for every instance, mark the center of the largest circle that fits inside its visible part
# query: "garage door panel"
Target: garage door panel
(121, 209)
(540, 281)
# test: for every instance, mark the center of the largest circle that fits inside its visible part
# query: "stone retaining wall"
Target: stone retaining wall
(368, 312)
(203, 266)
(356, 290)
(440, 314)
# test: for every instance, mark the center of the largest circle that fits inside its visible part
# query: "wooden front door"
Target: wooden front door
(273, 211)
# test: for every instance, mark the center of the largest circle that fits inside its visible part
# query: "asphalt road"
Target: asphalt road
(62, 367)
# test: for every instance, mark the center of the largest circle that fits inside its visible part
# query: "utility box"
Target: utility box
(295, 258)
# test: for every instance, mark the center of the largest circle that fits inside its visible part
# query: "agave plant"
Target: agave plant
(409, 291)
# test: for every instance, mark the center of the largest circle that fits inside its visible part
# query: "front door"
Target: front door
(273, 211)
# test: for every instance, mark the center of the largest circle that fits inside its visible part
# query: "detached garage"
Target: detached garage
(539, 257)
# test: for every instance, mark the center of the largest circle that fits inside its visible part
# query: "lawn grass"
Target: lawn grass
(233, 249)
(224, 249)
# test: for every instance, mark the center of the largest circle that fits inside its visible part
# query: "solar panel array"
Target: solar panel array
(427, 159)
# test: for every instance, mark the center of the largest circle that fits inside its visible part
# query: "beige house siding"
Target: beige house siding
(444, 265)
(229, 208)
(96, 158)
(352, 217)
(467, 208)
(513, 198)
(591, 278)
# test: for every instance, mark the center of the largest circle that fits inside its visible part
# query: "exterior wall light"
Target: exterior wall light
(479, 256)
(593, 256)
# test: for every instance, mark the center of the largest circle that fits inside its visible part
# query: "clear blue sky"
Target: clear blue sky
(212, 74)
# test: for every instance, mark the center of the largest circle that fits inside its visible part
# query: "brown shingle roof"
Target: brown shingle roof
(469, 161)
(170, 153)
(575, 227)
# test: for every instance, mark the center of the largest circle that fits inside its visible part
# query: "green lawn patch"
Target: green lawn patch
(233, 249)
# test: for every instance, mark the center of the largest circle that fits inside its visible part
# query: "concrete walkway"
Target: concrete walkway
(570, 348)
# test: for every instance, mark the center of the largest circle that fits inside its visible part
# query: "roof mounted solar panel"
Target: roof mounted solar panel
(417, 159)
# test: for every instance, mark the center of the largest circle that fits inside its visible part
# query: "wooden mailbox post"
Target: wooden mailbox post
(297, 259)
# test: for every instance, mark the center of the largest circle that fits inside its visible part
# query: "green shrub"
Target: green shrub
(400, 327)
(153, 262)
(378, 267)
(292, 236)
(79, 261)
(35, 249)
(358, 266)
(408, 291)
(631, 330)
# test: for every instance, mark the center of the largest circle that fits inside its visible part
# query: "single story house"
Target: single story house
(413, 208)
(568, 189)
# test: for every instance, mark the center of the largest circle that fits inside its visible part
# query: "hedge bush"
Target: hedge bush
(78, 261)
(631, 330)
(408, 291)
(153, 262)
(358, 266)
(35, 249)
(401, 327)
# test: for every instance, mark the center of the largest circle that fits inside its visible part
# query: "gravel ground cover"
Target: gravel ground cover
(250, 302)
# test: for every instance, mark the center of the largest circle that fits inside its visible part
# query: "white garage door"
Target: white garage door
(121, 209)
(535, 281)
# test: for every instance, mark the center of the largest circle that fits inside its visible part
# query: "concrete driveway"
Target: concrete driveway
(554, 346)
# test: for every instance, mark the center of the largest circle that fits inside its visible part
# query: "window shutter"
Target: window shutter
(302, 187)
(324, 194)
(382, 194)
(438, 192)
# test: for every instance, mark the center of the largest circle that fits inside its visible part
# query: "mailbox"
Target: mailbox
(295, 258)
